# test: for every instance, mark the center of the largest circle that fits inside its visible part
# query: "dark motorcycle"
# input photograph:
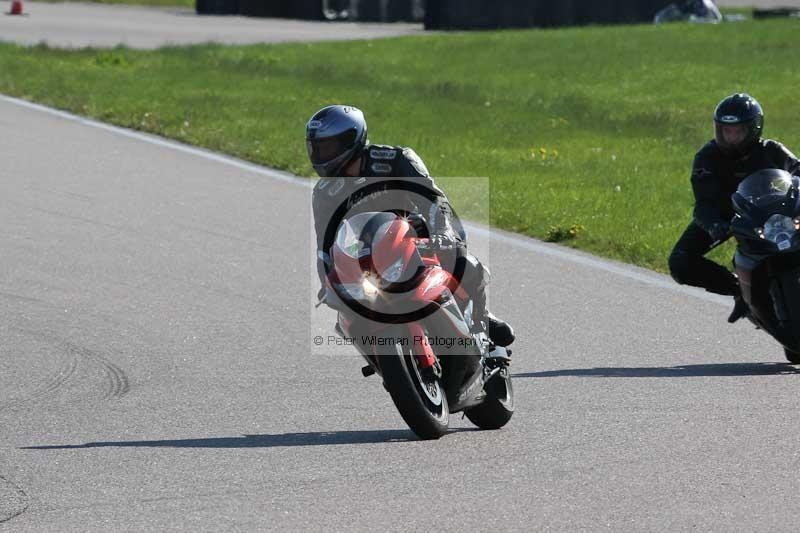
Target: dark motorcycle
(767, 260)
(412, 322)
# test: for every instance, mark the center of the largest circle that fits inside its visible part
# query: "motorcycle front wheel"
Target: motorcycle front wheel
(421, 402)
(792, 356)
(497, 409)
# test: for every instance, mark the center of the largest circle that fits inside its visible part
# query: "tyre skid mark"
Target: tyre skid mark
(68, 367)
(116, 382)
(28, 299)
(23, 496)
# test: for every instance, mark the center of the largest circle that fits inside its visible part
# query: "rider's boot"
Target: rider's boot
(740, 309)
(501, 333)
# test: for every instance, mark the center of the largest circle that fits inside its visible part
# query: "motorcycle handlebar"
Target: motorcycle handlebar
(440, 242)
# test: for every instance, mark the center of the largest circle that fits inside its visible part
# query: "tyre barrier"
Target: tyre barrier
(494, 14)
(448, 14)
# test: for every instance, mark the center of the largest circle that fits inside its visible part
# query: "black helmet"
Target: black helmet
(738, 123)
(334, 136)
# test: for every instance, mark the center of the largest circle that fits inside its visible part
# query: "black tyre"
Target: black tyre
(422, 403)
(498, 408)
(792, 356)
(785, 293)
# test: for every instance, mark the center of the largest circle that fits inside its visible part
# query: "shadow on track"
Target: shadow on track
(321, 438)
(684, 371)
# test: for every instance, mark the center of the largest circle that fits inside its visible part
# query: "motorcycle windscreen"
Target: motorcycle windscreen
(356, 234)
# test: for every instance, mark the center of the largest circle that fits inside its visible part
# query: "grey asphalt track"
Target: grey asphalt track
(79, 25)
(158, 371)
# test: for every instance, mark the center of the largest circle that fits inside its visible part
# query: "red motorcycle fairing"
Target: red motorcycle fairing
(391, 250)
(434, 283)
(396, 243)
(433, 261)
(422, 349)
(346, 268)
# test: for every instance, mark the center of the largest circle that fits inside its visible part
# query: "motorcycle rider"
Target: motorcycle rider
(341, 154)
(736, 151)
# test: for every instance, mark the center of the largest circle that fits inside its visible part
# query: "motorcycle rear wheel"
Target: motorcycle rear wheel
(421, 403)
(497, 409)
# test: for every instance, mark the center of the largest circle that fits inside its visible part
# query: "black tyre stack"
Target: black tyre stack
(492, 14)
(294, 9)
(217, 7)
(389, 10)
(448, 14)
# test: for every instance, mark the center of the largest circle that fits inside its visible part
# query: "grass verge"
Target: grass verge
(587, 134)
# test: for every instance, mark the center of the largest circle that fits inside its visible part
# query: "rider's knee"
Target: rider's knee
(680, 266)
(475, 274)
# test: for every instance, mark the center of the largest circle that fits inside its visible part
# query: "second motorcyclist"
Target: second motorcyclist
(736, 151)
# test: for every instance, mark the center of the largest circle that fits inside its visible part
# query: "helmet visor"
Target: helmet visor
(321, 151)
(735, 139)
(733, 134)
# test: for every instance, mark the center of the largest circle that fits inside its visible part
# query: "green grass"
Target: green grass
(587, 134)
